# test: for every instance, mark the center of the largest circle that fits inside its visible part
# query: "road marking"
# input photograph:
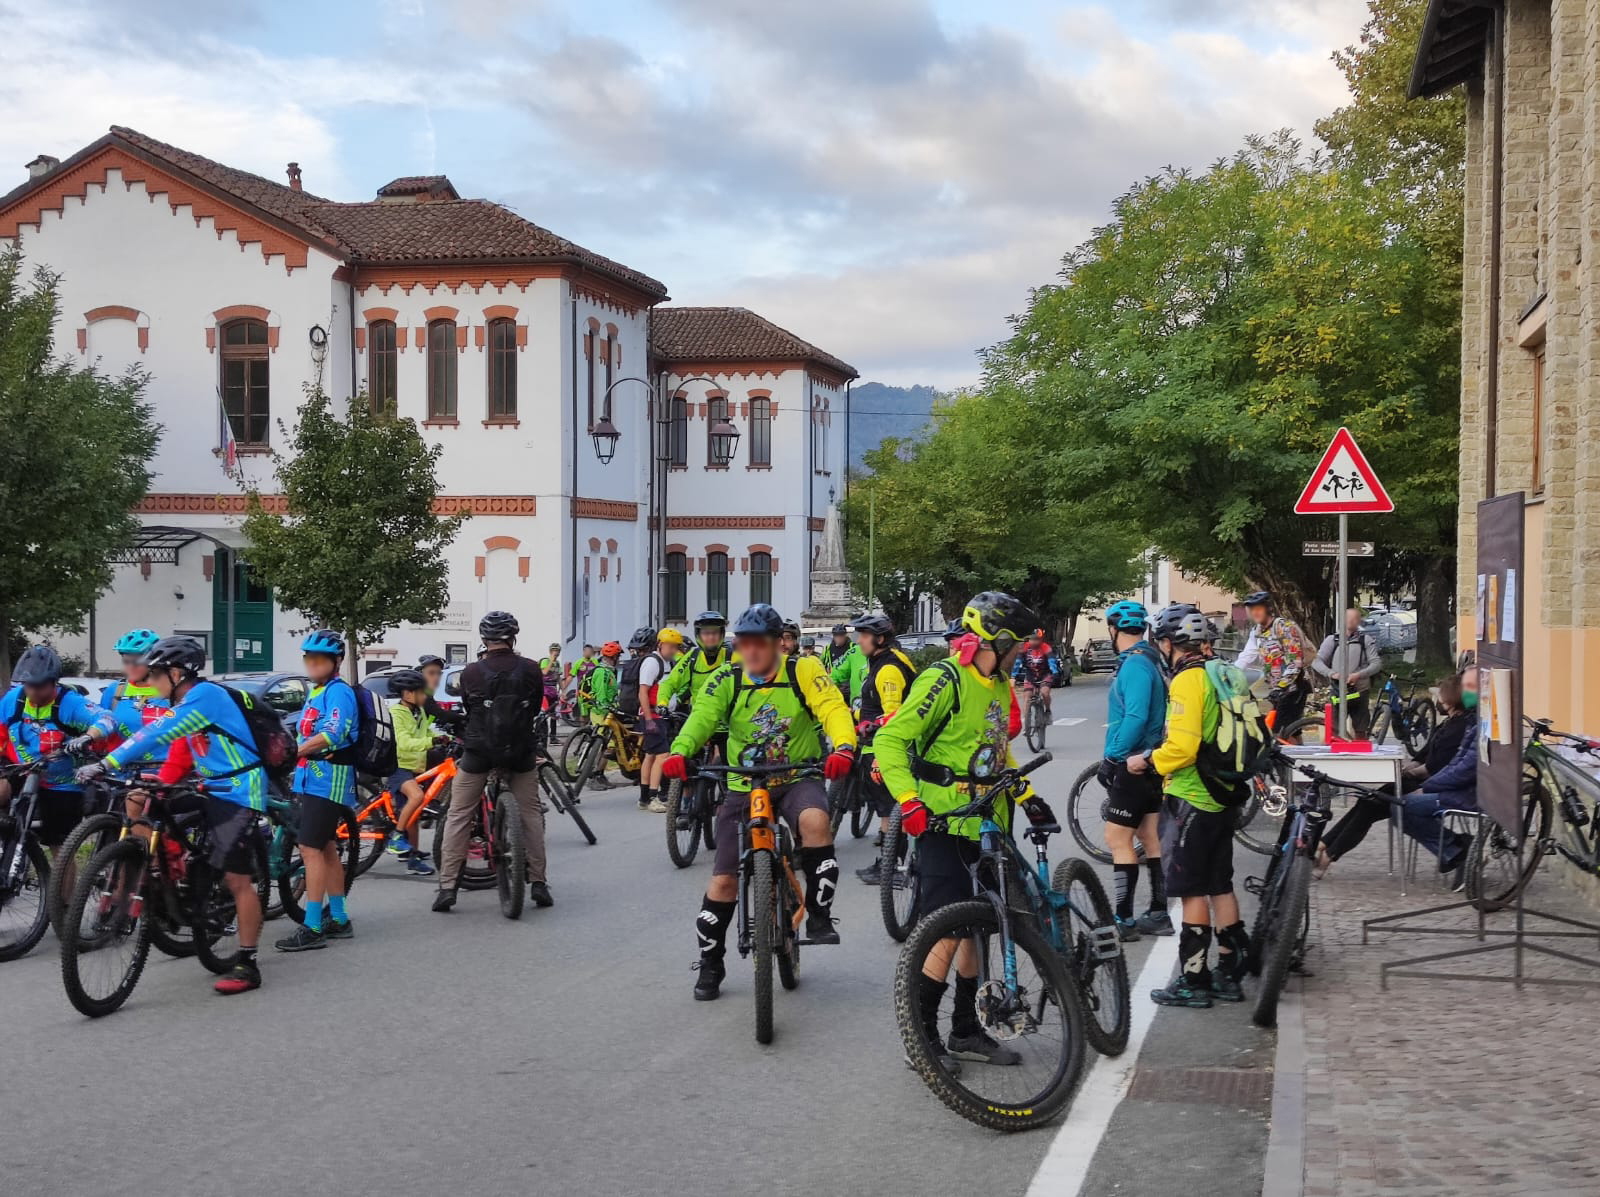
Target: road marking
(1067, 721)
(1066, 1164)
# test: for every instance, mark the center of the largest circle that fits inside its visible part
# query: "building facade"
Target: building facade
(1530, 376)
(504, 342)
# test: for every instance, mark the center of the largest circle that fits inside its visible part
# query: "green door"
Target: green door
(252, 617)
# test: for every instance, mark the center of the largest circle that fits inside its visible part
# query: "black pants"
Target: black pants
(1364, 814)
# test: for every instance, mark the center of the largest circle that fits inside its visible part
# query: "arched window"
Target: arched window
(382, 361)
(717, 583)
(760, 577)
(245, 389)
(761, 433)
(675, 597)
(442, 364)
(678, 434)
(716, 413)
(502, 369)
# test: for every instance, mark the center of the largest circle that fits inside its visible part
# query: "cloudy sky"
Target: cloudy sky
(885, 177)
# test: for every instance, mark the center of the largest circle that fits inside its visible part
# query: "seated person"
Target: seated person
(1458, 694)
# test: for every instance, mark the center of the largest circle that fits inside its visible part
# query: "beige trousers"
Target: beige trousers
(465, 791)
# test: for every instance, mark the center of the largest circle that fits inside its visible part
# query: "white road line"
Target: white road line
(1066, 1164)
(1067, 721)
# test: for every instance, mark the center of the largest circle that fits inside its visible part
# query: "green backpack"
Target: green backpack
(1242, 746)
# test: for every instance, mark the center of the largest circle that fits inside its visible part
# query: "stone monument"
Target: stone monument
(830, 578)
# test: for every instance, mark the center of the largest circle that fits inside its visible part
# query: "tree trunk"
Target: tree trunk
(1435, 610)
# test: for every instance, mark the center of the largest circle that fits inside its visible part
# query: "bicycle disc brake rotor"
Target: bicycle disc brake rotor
(1000, 1013)
(1276, 802)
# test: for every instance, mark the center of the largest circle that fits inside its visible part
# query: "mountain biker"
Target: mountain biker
(414, 734)
(776, 709)
(693, 669)
(889, 673)
(955, 636)
(502, 693)
(652, 707)
(325, 786)
(808, 646)
(1037, 670)
(1198, 836)
(431, 667)
(789, 642)
(848, 668)
(133, 702)
(603, 682)
(1136, 714)
(581, 670)
(637, 692)
(1275, 645)
(206, 729)
(555, 676)
(951, 732)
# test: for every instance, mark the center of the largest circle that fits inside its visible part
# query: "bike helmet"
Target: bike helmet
(671, 636)
(791, 628)
(499, 627)
(39, 666)
(808, 642)
(762, 619)
(878, 624)
(1258, 598)
(427, 659)
(840, 630)
(710, 619)
(1127, 616)
(954, 631)
(1178, 623)
(1213, 632)
(325, 643)
(135, 643)
(643, 640)
(998, 618)
(406, 679)
(611, 649)
(177, 652)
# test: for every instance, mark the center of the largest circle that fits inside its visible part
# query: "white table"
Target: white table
(1379, 767)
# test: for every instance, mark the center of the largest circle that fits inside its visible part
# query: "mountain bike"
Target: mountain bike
(24, 867)
(1037, 721)
(1495, 870)
(610, 738)
(692, 812)
(496, 856)
(565, 798)
(1027, 940)
(1410, 716)
(897, 878)
(1088, 804)
(378, 815)
(284, 865)
(101, 825)
(852, 795)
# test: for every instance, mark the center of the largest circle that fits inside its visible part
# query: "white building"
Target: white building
(501, 339)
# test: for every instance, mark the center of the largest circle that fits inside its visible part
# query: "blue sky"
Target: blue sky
(885, 177)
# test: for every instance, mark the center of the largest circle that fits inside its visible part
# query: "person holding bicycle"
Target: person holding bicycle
(950, 734)
(776, 709)
(889, 674)
(1198, 838)
(206, 729)
(637, 692)
(653, 727)
(1275, 646)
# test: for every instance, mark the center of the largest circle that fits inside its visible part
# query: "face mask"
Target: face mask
(1469, 700)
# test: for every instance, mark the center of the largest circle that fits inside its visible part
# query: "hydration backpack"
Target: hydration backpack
(269, 739)
(1242, 746)
(506, 715)
(373, 750)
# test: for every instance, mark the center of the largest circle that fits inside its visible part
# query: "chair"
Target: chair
(1459, 822)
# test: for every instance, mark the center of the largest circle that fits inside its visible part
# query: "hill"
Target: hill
(878, 411)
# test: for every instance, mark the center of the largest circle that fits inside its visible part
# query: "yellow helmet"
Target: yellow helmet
(670, 636)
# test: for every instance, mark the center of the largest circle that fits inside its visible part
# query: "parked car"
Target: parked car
(90, 687)
(283, 691)
(1098, 656)
(448, 695)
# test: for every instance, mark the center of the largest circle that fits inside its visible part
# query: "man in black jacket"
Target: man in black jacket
(502, 693)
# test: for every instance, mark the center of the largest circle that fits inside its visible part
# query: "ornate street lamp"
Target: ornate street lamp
(724, 440)
(605, 436)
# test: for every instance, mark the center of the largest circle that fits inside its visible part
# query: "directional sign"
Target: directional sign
(1330, 548)
(1343, 483)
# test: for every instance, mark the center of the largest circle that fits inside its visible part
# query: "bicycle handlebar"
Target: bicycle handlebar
(998, 786)
(1545, 729)
(798, 768)
(1323, 779)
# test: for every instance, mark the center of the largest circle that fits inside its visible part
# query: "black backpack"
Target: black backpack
(373, 751)
(628, 683)
(505, 715)
(269, 739)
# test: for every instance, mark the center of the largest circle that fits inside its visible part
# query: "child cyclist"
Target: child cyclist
(413, 737)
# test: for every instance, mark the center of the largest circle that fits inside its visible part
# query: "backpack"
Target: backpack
(269, 739)
(1242, 746)
(506, 715)
(373, 750)
(628, 683)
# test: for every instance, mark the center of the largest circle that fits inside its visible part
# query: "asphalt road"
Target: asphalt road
(563, 1054)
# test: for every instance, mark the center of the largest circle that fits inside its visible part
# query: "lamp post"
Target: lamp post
(605, 432)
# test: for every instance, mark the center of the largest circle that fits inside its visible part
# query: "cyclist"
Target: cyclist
(776, 709)
(1037, 670)
(431, 667)
(1136, 718)
(1275, 646)
(889, 674)
(555, 677)
(1198, 836)
(603, 682)
(693, 669)
(580, 680)
(652, 707)
(413, 738)
(637, 692)
(206, 729)
(325, 786)
(950, 732)
(808, 646)
(955, 636)
(789, 642)
(133, 702)
(837, 648)
(501, 692)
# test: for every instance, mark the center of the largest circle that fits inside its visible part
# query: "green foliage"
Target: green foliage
(360, 549)
(78, 444)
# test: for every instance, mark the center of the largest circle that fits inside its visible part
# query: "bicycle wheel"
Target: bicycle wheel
(1255, 824)
(477, 869)
(1421, 718)
(764, 937)
(839, 802)
(573, 752)
(860, 812)
(510, 857)
(1311, 731)
(683, 823)
(1086, 815)
(897, 879)
(214, 914)
(292, 885)
(1494, 872)
(1041, 1020)
(105, 945)
(1094, 954)
(78, 849)
(712, 796)
(1381, 724)
(374, 830)
(1034, 732)
(788, 955)
(1268, 892)
(565, 800)
(25, 908)
(592, 768)
(1285, 934)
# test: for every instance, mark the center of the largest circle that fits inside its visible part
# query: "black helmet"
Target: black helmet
(177, 652)
(499, 627)
(791, 628)
(1258, 598)
(643, 639)
(710, 619)
(1179, 623)
(878, 624)
(840, 630)
(427, 659)
(406, 679)
(954, 631)
(998, 618)
(39, 666)
(761, 619)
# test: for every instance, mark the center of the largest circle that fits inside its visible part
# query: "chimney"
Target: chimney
(42, 165)
(294, 176)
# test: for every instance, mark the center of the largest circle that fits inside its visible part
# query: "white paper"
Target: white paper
(1508, 609)
(1502, 705)
(1483, 614)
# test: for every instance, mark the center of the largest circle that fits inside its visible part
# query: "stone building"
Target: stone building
(1530, 366)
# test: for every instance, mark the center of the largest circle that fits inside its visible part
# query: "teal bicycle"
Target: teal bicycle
(285, 869)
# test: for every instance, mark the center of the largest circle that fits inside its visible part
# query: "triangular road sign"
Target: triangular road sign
(1343, 483)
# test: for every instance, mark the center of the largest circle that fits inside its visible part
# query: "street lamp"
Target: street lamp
(724, 439)
(605, 436)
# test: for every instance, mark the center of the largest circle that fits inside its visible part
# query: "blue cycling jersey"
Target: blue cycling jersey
(31, 733)
(133, 708)
(219, 740)
(330, 711)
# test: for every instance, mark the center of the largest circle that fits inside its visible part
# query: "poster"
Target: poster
(1500, 680)
(1491, 633)
(1508, 608)
(1482, 598)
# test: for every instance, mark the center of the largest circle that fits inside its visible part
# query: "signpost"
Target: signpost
(1342, 484)
(1330, 548)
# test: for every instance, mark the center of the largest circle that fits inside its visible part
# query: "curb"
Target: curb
(1284, 1173)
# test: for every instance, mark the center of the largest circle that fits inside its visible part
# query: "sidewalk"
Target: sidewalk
(1443, 1086)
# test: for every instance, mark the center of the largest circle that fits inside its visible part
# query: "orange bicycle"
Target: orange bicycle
(378, 818)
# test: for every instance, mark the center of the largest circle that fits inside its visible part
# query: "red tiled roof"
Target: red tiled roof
(418, 185)
(732, 335)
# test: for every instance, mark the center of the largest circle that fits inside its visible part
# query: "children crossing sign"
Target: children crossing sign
(1343, 483)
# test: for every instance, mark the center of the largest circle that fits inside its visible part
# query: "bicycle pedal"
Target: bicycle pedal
(1107, 943)
(1255, 886)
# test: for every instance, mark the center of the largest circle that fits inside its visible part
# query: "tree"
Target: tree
(78, 447)
(359, 548)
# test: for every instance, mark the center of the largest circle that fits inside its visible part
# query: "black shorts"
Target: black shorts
(234, 835)
(1291, 705)
(944, 870)
(789, 800)
(319, 820)
(656, 740)
(1133, 796)
(58, 812)
(1198, 848)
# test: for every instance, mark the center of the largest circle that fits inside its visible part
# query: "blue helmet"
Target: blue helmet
(136, 643)
(1127, 616)
(325, 642)
(759, 619)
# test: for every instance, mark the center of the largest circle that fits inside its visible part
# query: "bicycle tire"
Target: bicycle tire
(1421, 719)
(32, 930)
(838, 803)
(95, 826)
(510, 857)
(788, 954)
(1258, 925)
(1381, 724)
(292, 885)
(1108, 1010)
(213, 909)
(962, 920)
(1034, 733)
(1245, 823)
(1283, 935)
(897, 880)
(124, 854)
(592, 767)
(1307, 730)
(476, 876)
(682, 845)
(714, 795)
(764, 917)
(572, 749)
(565, 800)
(176, 939)
(1086, 804)
(860, 815)
(1490, 884)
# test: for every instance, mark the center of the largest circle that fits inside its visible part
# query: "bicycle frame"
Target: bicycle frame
(1582, 826)
(437, 781)
(762, 832)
